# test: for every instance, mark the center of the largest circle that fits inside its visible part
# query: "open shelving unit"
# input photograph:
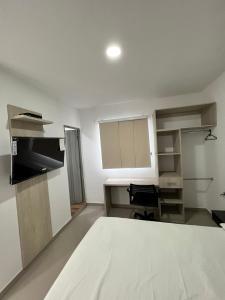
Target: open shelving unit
(168, 142)
(170, 124)
(170, 175)
(171, 202)
(186, 117)
(171, 196)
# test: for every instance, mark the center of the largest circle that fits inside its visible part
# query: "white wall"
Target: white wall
(93, 173)
(216, 150)
(15, 91)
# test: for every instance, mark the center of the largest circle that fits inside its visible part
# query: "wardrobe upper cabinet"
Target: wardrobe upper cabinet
(125, 144)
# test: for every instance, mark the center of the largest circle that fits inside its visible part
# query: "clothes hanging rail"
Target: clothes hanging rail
(209, 137)
(195, 130)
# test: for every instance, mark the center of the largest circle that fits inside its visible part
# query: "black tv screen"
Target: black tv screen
(35, 156)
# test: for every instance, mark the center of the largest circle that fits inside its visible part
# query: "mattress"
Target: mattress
(124, 259)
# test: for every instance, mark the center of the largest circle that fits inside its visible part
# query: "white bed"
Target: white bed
(123, 259)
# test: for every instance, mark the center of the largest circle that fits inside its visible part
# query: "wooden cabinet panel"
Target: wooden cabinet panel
(170, 182)
(209, 115)
(126, 134)
(110, 145)
(33, 208)
(33, 216)
(141, 145)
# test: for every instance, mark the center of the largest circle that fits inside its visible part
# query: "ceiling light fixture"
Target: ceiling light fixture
(113, 52)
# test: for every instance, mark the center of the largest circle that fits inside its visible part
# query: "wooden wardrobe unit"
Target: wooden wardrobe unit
(170, 124)
(32, 196)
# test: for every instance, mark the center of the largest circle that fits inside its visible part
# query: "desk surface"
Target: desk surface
(128, 181)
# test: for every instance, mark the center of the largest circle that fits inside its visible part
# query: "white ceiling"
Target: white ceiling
(170, 46)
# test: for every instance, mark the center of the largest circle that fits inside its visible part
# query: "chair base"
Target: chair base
(146, 216)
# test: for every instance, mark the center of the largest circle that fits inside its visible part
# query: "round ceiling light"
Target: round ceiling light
(113, 52)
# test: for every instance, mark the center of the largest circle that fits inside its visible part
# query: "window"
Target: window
(125, 144)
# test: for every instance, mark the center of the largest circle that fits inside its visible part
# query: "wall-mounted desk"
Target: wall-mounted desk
(123, 182)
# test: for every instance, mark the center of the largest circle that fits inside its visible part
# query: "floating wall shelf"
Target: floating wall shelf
(33, 120)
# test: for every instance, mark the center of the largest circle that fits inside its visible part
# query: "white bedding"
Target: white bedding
(123, 259)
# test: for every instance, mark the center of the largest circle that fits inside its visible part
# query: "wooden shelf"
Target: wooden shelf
(171, 196)
(33, 120)
(167, 130)
(171, 201)
(168, 153)
(168, 142)
(169, 174)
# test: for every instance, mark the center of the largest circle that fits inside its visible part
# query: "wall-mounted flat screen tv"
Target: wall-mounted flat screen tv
(33, 156)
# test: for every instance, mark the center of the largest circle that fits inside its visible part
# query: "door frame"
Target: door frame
(81, 158)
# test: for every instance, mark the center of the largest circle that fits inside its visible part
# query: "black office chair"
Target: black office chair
(144, 195)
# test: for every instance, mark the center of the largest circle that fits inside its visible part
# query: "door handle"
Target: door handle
(223, 194)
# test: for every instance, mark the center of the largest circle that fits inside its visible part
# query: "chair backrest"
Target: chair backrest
(143, 195)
